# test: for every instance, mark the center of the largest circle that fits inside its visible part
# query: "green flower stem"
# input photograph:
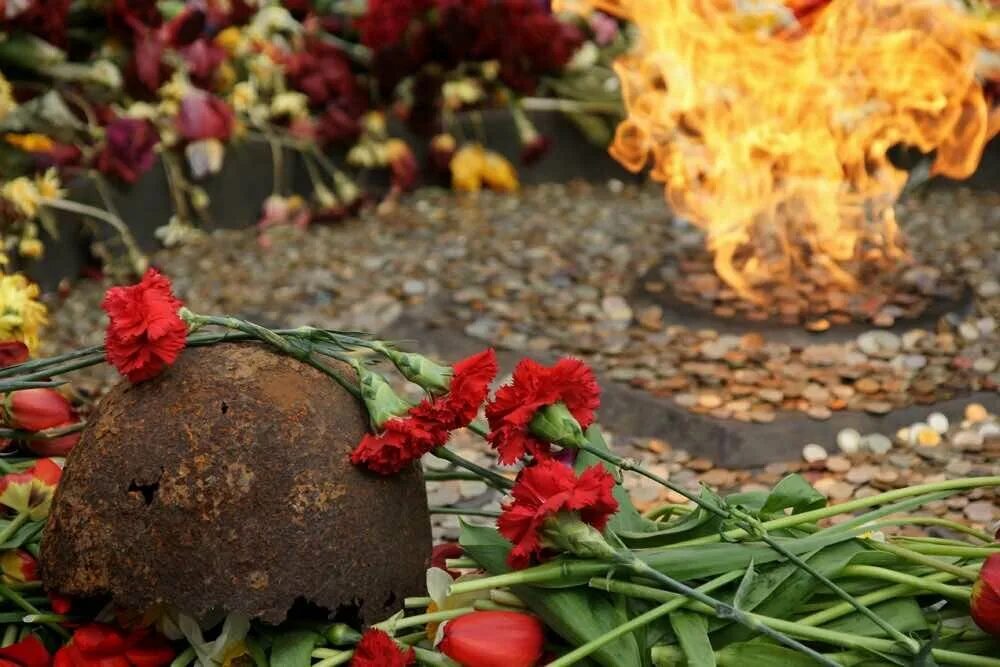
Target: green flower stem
(185, 658)
(933, 521)
(135, 256)
(38, 364)
(19, 601)
(551, 571)
(19, 520)
(47, 434)
(950, 486)
(428, 657)
(722, 610)
(459, 511)
(44, 618)
(956, 551)
(508, 599)
(953, 592)
(935, 540)
(678, 601)
(882, 595)
(490, 605)
(9, 635)
(464, 563)
(435, 476)
(855, 641)
(921, 559)
(338, 658)
(422, 619)
(417, 603)
(492, 478)
(758, 530)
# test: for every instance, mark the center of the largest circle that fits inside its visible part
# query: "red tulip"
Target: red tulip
(60, 446)
(38, 409)
(99, 644)
(18, 566)
(985, 603)
(493, 639)
(29, 652)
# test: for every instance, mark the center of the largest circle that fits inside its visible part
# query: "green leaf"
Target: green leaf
(793, 492)
(26, 534)
(746, 586)
(577, 614)
(696, 523)
(760, 654)
(692, 634)
(780, 591)
(904, 614)
(628, 518)
(293, 649)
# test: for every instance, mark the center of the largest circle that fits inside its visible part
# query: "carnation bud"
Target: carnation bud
(381, 401)
(985, 600)
(566, 532)
(340, 634)
(421, 371)
(38, 409)
(554, 423)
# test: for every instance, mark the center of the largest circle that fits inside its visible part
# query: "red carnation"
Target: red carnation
(377, 649)
(534, 386)
(29, 652)
(204, 116)
(99, 644)
(129, 148)
(428, 424)
(145, 333)
(544, 490)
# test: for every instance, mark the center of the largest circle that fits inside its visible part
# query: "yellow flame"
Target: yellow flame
(769, 123)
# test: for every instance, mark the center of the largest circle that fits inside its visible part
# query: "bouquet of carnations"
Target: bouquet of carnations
(570, 574)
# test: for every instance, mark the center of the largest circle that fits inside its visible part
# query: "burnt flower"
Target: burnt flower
(129, 149)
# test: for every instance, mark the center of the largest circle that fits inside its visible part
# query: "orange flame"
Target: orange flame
(769, 123)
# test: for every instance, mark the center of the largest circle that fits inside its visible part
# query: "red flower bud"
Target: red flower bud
(38, 409)
(985, 602)
(13, 352)
(493, 639)
(18, 566)
(60, 446)
(204, 116)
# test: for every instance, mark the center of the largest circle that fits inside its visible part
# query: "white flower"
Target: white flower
(205, 157)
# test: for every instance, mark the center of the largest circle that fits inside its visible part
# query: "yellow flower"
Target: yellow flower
(230, 39)
(467, 168)
(30, 143)
(23, 194)
(499, 174)
(30, 248)
(244, 96)
(48, 185)
(175, 89)
(21, 315)
(225, 77)
(7, 101)
(293, 104)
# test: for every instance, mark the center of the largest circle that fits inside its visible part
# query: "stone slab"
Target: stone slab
(629, 412)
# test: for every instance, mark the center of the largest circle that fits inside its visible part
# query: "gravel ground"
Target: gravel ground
(571, 269)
